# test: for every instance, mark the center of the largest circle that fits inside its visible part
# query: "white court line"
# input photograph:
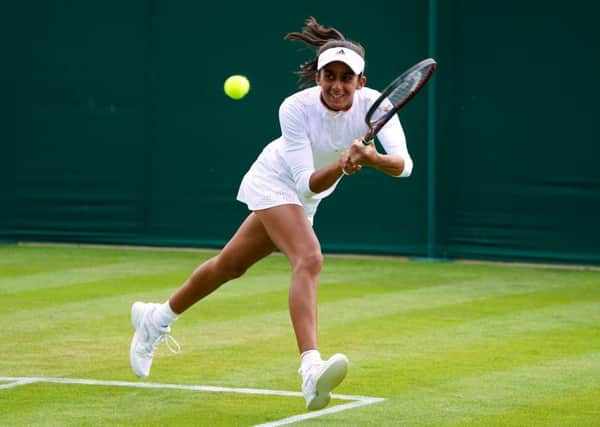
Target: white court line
(338, 408)
(357, 401)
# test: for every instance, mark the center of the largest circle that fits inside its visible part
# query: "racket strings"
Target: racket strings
(400, 92)
(396, 95)
(406, 87)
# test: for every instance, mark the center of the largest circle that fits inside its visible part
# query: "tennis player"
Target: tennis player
(321, 127)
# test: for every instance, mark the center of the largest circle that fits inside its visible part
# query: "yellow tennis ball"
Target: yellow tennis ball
(236, 87)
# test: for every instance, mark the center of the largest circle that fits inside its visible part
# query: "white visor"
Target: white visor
(342, 54)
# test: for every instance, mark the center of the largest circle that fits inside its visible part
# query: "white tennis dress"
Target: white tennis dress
(312, 136)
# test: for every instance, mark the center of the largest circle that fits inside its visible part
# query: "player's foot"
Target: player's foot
(146, 339)
(319, 379)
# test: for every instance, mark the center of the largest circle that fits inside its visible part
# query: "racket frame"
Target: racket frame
(377, 125)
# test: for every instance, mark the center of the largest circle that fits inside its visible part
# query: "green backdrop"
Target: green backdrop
(518, 146)
(115, 128)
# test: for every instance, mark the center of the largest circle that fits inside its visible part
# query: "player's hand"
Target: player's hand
(361, 154)
(348, 167)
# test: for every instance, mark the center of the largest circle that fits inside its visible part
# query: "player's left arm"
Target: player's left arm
(367, 155)
(395, 161)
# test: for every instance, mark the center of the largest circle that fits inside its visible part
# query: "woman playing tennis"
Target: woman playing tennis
(320, 142)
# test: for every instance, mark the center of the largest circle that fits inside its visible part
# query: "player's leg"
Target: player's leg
(293, 234)
(247, 246)
(152, 321)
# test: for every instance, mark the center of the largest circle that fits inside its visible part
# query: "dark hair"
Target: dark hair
(315, 34)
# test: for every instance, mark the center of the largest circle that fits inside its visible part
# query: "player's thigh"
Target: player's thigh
(249, 244)
(290, 231)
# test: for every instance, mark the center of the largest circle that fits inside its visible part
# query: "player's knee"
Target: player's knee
(311, 262)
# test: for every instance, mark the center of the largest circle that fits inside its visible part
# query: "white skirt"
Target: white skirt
(264, 187)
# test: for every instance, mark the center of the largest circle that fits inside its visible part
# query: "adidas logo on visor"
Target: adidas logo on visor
(339, 53)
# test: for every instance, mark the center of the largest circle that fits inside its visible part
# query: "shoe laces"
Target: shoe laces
(162, 334)
(170, 342)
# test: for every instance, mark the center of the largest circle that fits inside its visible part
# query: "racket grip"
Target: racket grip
(366, 142)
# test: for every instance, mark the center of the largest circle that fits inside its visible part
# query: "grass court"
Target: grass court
(444, 344)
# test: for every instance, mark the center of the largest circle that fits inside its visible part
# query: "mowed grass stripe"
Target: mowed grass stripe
(152, 287)
(429, 353)
(44, 259)
(97, 296)
(423, 339)
(366, 306)
(87, 405)
(435, 366)
(456, 314)
(82, 275)
(575, 408)
(472, 398)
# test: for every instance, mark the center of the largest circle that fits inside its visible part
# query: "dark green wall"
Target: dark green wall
(518, 143)
(115, 127)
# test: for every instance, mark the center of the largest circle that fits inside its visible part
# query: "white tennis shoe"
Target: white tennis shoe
(320, 378)
(147, 337)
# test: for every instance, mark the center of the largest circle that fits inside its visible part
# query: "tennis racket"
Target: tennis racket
(396, 95)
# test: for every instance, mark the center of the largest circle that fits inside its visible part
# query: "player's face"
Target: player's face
(338, 84)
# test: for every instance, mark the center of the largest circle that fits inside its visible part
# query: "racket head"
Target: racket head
(396, 95)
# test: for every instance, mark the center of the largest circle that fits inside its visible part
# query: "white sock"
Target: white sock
(309, 358)
(164, 315)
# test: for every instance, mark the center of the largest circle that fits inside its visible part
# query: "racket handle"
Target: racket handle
(366, 141)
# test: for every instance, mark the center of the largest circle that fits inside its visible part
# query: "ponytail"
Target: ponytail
(315, 34)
